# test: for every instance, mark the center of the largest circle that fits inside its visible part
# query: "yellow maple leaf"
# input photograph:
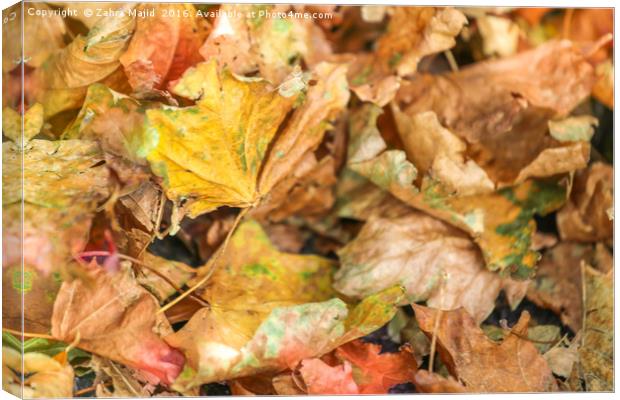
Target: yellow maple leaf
(210, 154)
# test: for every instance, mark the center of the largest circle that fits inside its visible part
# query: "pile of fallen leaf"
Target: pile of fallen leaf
(224, 199)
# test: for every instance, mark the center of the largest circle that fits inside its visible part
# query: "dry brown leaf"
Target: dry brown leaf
(64, 77)
(480, 364)
(585, 217)
(495, 114)
(432, 260)
(429, 382)
(557, 285)
(111, 315)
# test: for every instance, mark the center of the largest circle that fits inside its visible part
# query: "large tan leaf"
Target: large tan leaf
(480, 364)
(432, 260)
(111, 315)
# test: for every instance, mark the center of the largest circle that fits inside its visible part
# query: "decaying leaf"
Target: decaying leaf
(259, 291)
(473, 358)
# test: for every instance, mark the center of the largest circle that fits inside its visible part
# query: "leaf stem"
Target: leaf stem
(162, 276)
(211, 263)
(28, 334)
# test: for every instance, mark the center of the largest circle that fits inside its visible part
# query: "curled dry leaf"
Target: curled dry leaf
(45, 376)
(412, 33)
(432, 260)
(501, 222)
(167, 42)
(308, 189)
(492, 119)
(474, 359)
(105, 312)
(584, 218)
(65, 76)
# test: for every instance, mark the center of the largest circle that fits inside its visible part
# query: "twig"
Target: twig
(438, 316)
(162, 276)
(584, 312)
(28, 334)
(211, 263)
(454, 66)
(566, 23)
(85, 390)
(434, 340)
